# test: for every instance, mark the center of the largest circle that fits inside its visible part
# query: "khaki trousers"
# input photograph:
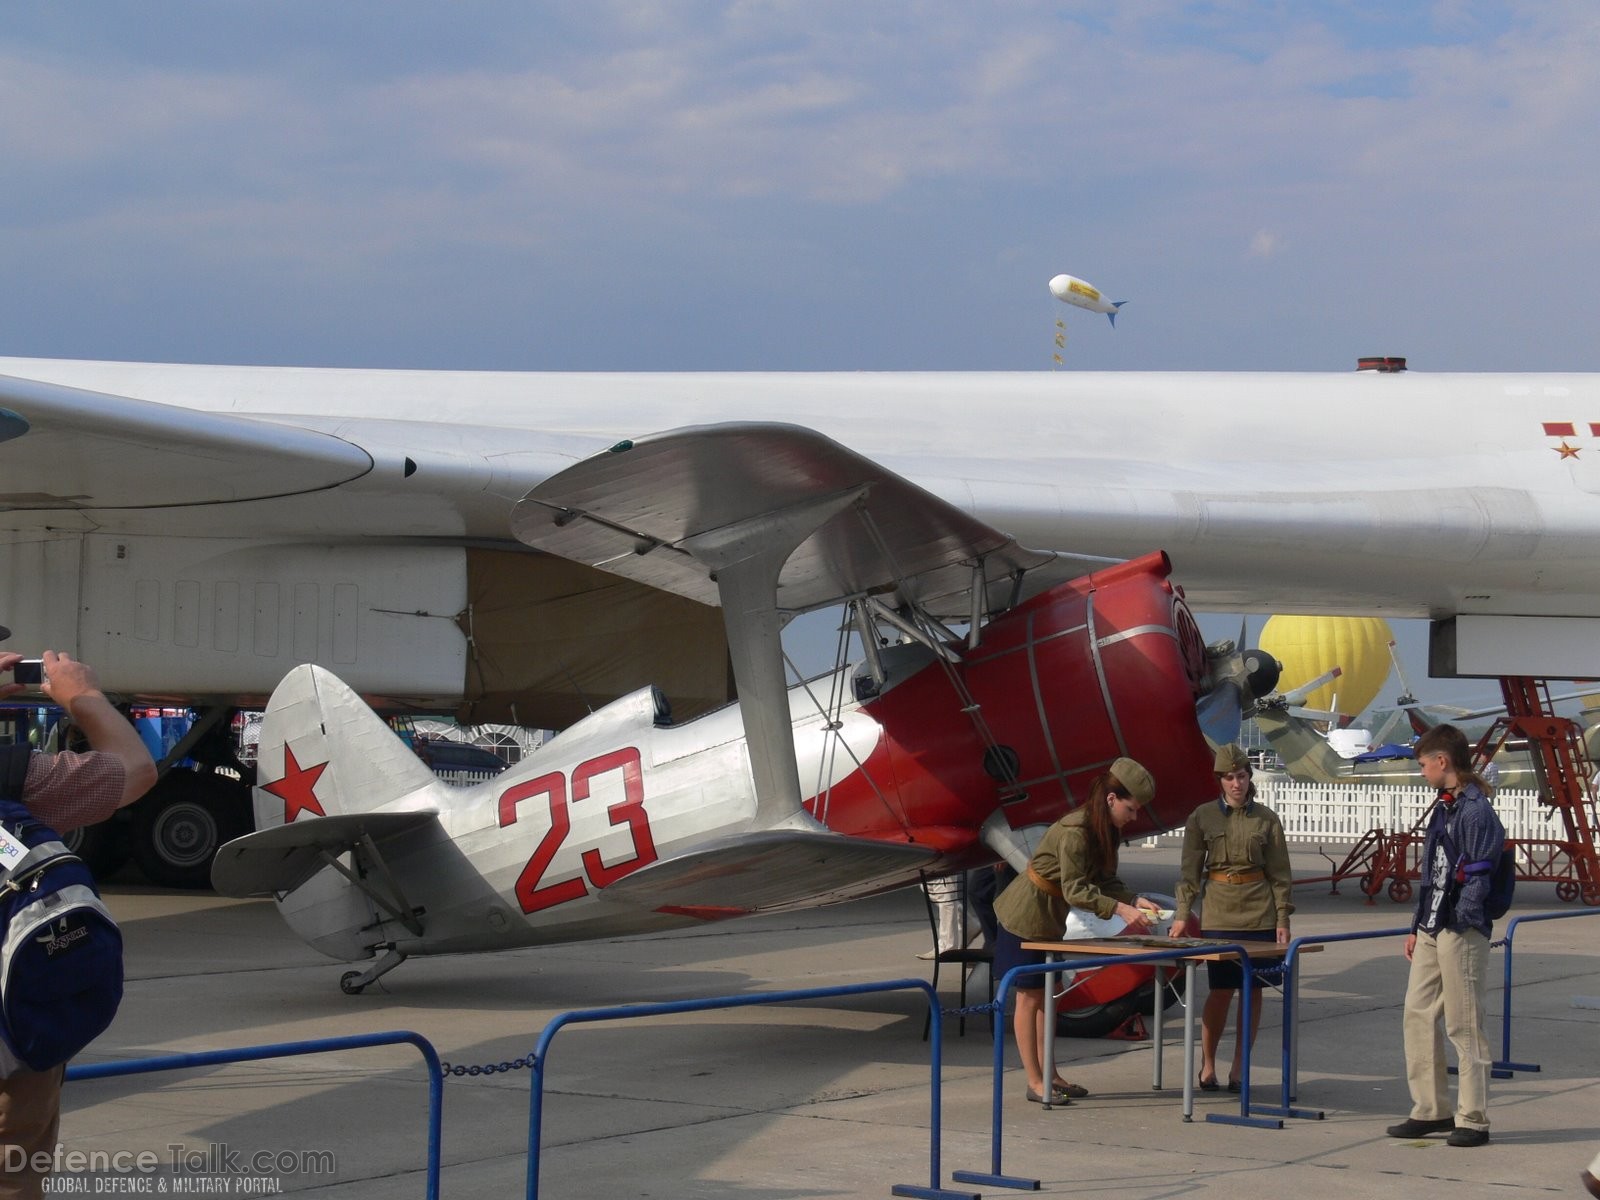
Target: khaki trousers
(1445, 998)
(30, 1121)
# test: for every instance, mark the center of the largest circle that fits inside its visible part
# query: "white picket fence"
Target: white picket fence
(1328, 813)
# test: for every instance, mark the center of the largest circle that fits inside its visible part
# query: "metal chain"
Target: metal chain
(974, 1011)
(515, 1064)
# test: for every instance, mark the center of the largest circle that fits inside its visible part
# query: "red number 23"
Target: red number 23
(628, 811)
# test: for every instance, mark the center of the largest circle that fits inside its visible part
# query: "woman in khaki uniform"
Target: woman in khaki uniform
(1235, 853)
(1075, 866)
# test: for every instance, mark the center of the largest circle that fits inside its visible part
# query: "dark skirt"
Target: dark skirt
(1008, 953)
(1229, 974)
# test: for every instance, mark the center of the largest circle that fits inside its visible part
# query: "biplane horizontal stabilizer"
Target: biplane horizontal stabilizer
(280, 859)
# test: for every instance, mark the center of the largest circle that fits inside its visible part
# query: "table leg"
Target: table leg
(1049, 1052)
(1188, 1039)
(1159, 1007)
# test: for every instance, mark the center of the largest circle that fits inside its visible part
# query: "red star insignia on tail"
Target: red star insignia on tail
(297, 788)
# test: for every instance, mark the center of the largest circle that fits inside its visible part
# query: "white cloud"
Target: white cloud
(1265, 244)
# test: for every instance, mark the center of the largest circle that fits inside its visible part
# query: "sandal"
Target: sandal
(1208, 1085)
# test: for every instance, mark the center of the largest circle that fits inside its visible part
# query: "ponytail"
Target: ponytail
(1453, 744)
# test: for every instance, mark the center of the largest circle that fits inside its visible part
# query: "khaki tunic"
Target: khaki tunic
(1062, 858)
(1219, 838)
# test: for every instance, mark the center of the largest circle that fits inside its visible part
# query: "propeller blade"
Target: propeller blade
(1314, 714)
(1382, 735)
(1464, 714)
(1305, 689)
(1407, 696)
(1220, 713)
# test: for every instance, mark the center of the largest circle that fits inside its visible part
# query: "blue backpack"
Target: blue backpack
(60, 951)
(1502, 873)
(1501, 870)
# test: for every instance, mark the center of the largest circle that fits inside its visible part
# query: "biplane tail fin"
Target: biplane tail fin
(324, 753)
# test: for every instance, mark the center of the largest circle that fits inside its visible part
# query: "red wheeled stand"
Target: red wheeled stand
(1382, 859)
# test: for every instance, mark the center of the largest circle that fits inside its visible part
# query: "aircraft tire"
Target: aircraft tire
(103, 846)
(348, 983)
(179, 826)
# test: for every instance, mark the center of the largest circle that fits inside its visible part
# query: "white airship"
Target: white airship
(1085, 295)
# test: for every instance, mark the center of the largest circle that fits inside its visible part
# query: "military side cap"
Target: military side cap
(1135, 779)
(1230, 758)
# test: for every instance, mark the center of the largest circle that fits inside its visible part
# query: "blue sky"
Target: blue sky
(787, 185)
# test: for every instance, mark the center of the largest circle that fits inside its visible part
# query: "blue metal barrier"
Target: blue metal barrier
(579, 1016)
(211, 1058)
(1291, 1013)
(1501, 1069)
(995, 1176)
(1505, 1065)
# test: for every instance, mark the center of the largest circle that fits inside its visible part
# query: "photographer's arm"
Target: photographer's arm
(74, 686)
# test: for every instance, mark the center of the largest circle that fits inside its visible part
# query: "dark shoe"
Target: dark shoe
(1233, 1086)
(1075, 1090)
(1590, 1183)
(1468, 1137)
(1413, 1128)
(1208, 1085)
(1057, 1099)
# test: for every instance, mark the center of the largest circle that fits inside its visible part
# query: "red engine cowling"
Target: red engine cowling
(1107, 665)
(1104, 666)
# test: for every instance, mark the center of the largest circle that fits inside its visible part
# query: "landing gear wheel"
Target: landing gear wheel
(351, 983)
(103, 847)
(1567, 890)
(179, 826)
(1400, 890)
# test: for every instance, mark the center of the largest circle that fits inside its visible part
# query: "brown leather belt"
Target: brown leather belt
(1043, 884)
(1250, 876)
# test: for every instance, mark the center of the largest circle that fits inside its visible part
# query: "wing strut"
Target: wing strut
(745, 558)
(394, 903)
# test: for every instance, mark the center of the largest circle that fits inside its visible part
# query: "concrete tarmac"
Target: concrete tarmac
(829, 1098)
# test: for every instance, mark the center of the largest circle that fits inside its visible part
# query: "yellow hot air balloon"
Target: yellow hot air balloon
(1310, 646)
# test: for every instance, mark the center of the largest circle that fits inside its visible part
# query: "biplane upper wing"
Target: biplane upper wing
(769, 520)
(663, 509)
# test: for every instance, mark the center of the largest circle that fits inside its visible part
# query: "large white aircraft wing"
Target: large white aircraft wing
(88, 450)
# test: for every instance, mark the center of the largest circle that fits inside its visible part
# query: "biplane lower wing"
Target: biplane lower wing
(764, 871)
